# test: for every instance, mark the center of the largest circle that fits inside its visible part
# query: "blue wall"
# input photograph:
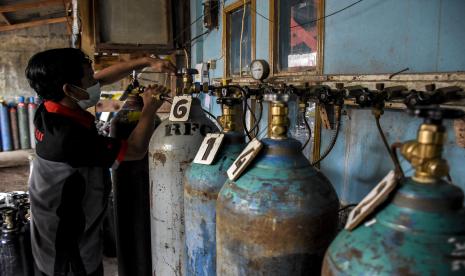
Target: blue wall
(386, 36)
(374, 36)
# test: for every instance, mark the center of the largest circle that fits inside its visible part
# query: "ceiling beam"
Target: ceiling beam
(27, 6)
(32, 24)
(3, 17)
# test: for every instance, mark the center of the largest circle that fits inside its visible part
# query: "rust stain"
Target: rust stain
(404, 271)
(274, 233)
(354, 253)
(204, 195)
(159, 156)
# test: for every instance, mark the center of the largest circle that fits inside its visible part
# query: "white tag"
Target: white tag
(180, 108)
(104, 116)
(244, 159)
(374, 198)
(209, 148)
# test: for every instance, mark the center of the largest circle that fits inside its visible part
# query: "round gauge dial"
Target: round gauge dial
(260, 69)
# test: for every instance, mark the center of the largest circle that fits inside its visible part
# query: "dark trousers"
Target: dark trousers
(98, 272)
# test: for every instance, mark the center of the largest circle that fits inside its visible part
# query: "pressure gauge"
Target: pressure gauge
(260, 69)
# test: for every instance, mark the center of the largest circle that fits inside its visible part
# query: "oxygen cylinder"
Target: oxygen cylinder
(280, 215)
(10, 249)
(172, 148)
(31, 111)
(131, 193)
(7, 143)
(203, 182)
(23, 124)
(14, 126)
(420, 229)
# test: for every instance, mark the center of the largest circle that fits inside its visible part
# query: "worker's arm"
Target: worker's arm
(138, 141)
(118, 71)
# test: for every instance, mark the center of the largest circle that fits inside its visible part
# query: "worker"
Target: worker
(69, 182)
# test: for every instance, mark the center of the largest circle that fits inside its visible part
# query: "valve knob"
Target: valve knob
(435, 114)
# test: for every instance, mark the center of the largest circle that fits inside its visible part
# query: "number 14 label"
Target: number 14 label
(210, 146)
(244, 159)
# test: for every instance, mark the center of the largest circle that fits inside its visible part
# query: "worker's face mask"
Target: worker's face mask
(94, 96)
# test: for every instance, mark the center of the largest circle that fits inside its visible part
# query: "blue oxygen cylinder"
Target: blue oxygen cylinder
(23, 124)
(201, 188)
(31, 111)
(7, 144)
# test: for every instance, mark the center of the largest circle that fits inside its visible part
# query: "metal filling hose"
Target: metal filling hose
(392, 153)
(309, 130)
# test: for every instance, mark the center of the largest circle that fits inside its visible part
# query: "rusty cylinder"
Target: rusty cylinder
(280, 215)
(172, 148)
(203, 182)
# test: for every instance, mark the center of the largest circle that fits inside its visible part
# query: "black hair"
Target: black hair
(49, 70)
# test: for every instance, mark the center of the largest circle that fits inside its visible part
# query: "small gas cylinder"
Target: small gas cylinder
(31, 111)
(173, 147)
(131, 195)
(203, 182)
(23, 124)
(280, 215)
(11, 262)
(7, 143)
(420, 229)
(14, 125)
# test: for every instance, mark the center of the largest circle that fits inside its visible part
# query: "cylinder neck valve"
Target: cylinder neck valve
(8, 220)
(425, 153)
(279, 120)
(279, 112)
(227, 120)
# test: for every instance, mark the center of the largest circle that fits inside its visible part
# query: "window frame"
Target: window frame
(274, 48)
(225, 41)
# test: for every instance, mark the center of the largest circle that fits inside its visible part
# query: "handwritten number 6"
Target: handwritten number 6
(179, 109)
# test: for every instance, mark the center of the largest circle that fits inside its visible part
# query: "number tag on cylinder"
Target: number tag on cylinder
(244, 159)
(369, 203)
(209, 148)
(180, 108)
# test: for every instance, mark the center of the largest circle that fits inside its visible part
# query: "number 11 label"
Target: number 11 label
(244, 159)
(210, 146)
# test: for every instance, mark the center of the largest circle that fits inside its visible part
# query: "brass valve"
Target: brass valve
(227, 119)
(425, 153)
(279, 120)
(8, 219)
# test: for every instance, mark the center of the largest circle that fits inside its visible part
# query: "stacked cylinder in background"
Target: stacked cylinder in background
(17, 124)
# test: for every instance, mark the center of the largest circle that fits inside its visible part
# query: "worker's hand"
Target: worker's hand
(152, 96)
(161, 66)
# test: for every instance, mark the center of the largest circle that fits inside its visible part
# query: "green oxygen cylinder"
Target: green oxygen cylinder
(23, 124)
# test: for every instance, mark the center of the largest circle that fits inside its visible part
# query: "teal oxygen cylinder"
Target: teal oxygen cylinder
(281, 213)
(23, 124)
(202, 185)
(420, 228)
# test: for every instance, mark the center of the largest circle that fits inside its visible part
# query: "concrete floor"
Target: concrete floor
(15, 179)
